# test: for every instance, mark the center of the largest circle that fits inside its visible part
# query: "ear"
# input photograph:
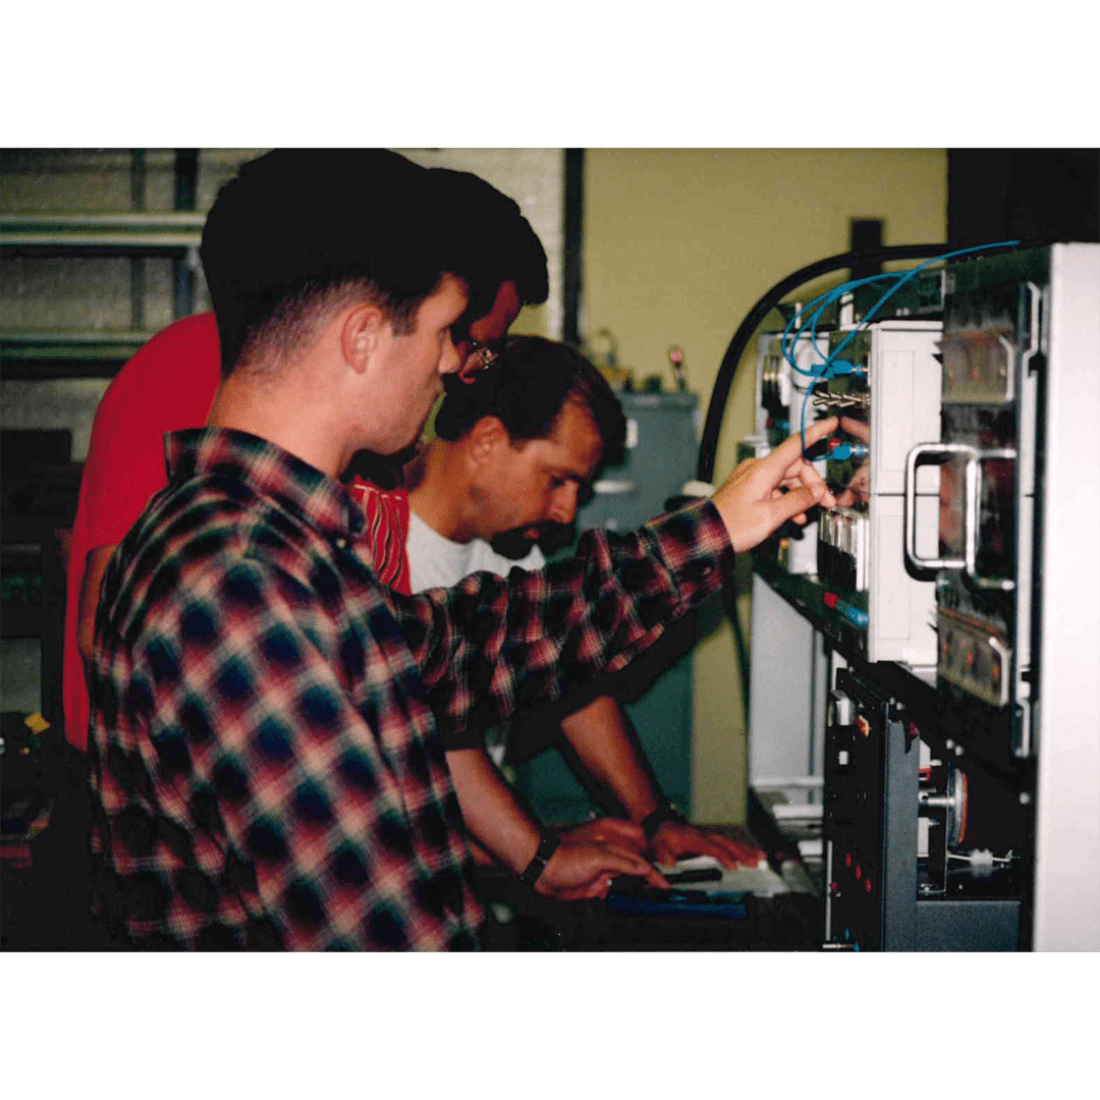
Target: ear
(361, 334)
(486, 438)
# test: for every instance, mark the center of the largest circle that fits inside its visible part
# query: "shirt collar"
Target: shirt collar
(270, 471)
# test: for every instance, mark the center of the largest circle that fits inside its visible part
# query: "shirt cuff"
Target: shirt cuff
(696, 546)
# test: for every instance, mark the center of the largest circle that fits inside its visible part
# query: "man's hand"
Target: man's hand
(675, 839)
(606, 830)
(753, 502)
(578, 871)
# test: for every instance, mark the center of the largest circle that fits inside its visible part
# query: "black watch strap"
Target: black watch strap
(547, 847)
(651, 823)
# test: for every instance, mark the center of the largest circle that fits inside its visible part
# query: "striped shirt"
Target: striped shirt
(386, 531)
(269, 721)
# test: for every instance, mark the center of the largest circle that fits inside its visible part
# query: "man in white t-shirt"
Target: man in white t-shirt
(439, 562)
(516, 446)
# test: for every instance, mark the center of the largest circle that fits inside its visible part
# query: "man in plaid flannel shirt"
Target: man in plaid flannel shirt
(269, 722)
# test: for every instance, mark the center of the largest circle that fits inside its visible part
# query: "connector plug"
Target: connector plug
(848, 450)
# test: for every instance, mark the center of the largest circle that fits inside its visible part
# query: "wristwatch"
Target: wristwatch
(652, 822)
(547, 847)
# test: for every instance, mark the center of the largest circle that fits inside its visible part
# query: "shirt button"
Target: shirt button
(342, 543)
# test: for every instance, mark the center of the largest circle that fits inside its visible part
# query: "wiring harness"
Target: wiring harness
(831, 365)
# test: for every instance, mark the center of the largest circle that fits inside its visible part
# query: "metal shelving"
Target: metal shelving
(137, 235)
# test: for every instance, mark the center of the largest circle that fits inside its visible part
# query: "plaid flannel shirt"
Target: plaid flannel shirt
(269, 721)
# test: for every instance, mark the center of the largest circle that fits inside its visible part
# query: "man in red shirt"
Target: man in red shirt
(168, 385)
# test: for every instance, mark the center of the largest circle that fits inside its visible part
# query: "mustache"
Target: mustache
(517, 542)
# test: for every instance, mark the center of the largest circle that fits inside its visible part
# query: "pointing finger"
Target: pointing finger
(791, 447)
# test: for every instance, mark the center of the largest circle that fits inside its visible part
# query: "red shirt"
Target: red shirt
(168, 386)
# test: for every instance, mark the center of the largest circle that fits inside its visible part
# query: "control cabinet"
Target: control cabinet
(954, 615)
(906, 867)
(889, 402)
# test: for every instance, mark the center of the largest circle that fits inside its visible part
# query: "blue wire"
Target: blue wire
(829, 296)
(830, 364)
(902, 280)
(826, 299)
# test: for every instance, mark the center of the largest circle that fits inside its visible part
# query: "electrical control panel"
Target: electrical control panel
(991, 353)
(779, 385)
(922, 850)
(946, 665)
(887, 402)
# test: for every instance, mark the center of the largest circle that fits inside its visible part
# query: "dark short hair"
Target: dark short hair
(494, 239)
(299, 227)
(526, 389)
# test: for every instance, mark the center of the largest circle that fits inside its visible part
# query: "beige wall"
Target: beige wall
(678, 245)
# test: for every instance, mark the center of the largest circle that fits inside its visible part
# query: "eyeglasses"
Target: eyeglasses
(479, 357)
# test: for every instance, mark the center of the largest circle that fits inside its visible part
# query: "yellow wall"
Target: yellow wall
(678, 245)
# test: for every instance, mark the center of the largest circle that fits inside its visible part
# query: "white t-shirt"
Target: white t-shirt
(437, 562)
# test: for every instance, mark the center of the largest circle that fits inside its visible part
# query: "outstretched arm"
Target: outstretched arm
(490, 645)
(758, 496)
